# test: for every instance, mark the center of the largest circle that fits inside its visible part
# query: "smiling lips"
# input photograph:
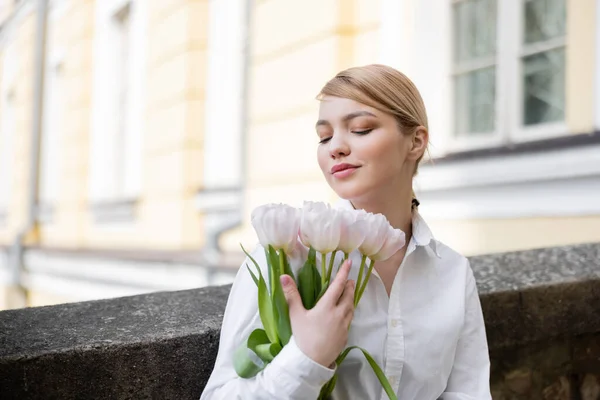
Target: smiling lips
(343, 170)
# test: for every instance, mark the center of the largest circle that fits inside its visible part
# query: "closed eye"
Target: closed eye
(364, 132)
(325, 140)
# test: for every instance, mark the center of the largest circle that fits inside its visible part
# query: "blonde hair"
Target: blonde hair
(385, 89)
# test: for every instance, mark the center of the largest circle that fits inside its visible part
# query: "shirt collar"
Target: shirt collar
(421, 234)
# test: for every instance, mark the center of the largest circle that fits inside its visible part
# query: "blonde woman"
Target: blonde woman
(420, 316)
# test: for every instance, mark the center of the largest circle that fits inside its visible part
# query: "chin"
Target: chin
(349, 191)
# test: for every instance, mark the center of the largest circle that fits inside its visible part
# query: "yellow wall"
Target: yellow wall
(291, 61)
(581, 68)
(166, 216)
(296, 47)
(473, 237)
(23, 38)
(74, 31)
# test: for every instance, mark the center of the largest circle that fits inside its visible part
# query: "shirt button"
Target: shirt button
(392, 380)
(394, 323)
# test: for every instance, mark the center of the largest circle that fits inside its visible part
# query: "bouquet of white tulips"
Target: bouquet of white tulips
(323, 230)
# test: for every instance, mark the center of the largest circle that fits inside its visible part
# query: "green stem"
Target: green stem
(323, 269)
(281, 262)
(333, 253)
(359, 280)
(364, 285)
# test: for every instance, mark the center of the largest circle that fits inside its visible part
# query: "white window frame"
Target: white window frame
(597, 68)
(224, 97)
(53, 115)
(106, 186)
(548, 183)
(519, 133)
(221, 194)
(8, 125)
(509, 89)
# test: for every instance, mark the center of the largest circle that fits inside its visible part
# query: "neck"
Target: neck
(397, 208)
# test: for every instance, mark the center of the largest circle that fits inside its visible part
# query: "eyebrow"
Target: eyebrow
(347, 117)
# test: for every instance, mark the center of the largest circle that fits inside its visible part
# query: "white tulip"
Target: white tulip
(320, 226)
(394, 241)
(353, 230)
(276, 225)
(377, 228)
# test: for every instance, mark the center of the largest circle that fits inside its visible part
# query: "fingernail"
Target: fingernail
(285, 280)
(349, 261)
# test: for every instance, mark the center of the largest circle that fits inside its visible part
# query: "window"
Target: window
(50, 162)
(7, 127)
(508, 70)
(7, 134)
(117, 105)
(51, 156)
(543, 61)
(475, 66)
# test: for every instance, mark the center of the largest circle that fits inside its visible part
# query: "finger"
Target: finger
(336, 288)
(347, 298)
(292, 296)
(348, 317)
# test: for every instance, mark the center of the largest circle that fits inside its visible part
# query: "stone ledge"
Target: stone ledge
(156, 346)
(163, 345)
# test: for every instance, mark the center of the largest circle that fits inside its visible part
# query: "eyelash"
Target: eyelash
(366, 131)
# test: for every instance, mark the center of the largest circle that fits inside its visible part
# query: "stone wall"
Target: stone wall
(542, 311)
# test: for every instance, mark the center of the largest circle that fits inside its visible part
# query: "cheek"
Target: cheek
(322, 157)
(384, 155)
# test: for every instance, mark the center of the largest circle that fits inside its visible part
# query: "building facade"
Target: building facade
(136, 136)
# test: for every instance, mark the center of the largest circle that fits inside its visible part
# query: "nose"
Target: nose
(338, 147)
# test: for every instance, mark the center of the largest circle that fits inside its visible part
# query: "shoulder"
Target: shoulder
(452, 262)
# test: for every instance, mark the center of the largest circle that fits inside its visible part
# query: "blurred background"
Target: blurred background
(136, 136)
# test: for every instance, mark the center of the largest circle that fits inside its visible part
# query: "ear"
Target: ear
(420, 139)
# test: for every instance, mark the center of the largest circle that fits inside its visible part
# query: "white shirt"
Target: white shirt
(428, 336)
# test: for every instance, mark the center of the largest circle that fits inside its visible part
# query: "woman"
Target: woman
(420, 316)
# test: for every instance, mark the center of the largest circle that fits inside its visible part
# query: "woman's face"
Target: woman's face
(361, 151)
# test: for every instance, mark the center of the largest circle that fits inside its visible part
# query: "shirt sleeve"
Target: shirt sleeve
(470, 375)
(291, 374)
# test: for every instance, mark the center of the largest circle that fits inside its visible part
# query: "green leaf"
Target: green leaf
(312, 256)
(254, 278)
(376, 369)
(322, 291)
(279, 304)
(286, 265)
(284, 326)
(250, 257)
(327, 389)
(267, 310)
(257, 337)
(309, 281)
(306, 285)
(273, 260)
(244, 366)
(259, 342)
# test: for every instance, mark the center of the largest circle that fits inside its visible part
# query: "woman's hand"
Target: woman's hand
(322, 332)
